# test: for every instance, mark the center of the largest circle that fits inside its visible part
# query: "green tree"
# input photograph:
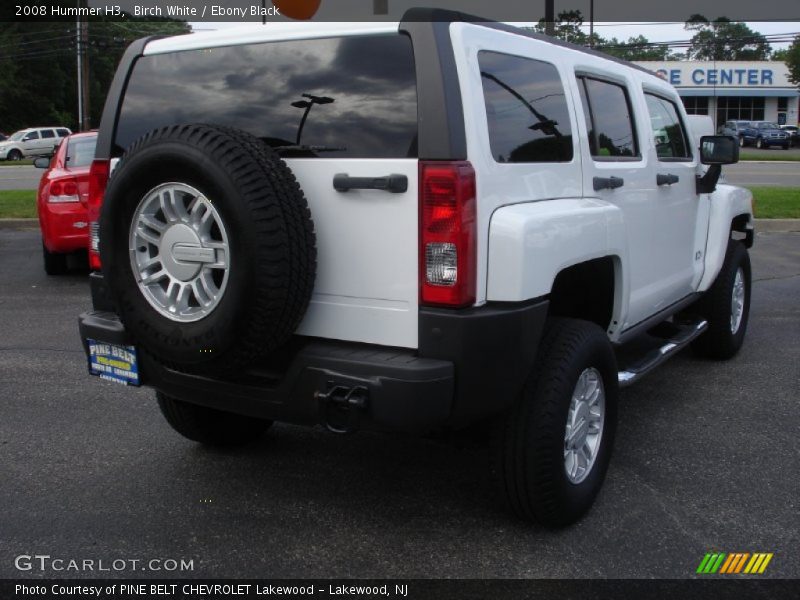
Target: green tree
(38, 74)
(722, 39)
(567, 27)
(638, 48)
(792, 61)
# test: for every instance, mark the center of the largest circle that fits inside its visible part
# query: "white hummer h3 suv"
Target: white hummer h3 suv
(419, 226)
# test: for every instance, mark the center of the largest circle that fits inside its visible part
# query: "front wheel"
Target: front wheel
(759, 144)
(552, 448)
(726, 306)
(210, 426)
(741, 141)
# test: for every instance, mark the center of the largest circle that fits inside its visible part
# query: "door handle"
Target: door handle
(667, 179)
(607, 183)
(396, 184)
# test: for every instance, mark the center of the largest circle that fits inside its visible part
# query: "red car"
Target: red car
(62, 198)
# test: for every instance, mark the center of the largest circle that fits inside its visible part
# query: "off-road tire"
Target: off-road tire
(272, 252)
(528, 441)
(210, 426)
(718, 341)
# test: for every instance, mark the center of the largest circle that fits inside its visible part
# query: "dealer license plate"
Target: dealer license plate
(113, 362)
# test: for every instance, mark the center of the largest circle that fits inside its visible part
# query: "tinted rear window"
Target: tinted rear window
(80, 151)
(260, 88)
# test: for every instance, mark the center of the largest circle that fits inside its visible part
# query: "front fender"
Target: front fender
(530, 243)
(727, 203)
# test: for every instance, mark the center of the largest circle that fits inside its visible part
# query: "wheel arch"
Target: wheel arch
(731, 216)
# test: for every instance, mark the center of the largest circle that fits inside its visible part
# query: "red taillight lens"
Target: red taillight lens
(448, 233)
(98, 179)
(63, 190)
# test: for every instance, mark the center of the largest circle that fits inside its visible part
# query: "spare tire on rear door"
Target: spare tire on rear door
(208, 247)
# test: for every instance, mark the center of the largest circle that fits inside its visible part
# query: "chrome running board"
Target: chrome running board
(632, 373)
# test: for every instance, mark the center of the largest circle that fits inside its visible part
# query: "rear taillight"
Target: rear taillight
(63, 190)
(447, 233)
(98, 179)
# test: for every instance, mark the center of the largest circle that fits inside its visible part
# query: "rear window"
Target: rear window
(358, 94)
(80, 152)
(526, 109)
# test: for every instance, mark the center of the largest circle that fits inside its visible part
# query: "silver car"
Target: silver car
(34, 141)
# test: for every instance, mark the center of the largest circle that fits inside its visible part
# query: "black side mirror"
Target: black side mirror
(42, 162)
(719, 150)
(716, 150)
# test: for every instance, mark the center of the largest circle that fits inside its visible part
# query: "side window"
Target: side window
(31, 135)
(612, 135)
(47, 134)
(62, 132)
(526, 108)
(668, 131)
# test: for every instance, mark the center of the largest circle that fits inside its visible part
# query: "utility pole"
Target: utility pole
(591, 23)
(549, 17)
(81, 46)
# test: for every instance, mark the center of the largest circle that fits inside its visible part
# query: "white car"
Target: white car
(34, 141)
(416, 226)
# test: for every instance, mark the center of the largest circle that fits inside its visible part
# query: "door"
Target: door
(685, 214)
(623, 170)
(31, 143)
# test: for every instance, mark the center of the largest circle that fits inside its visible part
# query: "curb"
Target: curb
(19, 223)
(777, 225)
(769, 162)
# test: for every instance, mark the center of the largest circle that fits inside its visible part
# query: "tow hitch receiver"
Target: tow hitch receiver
(341, 406)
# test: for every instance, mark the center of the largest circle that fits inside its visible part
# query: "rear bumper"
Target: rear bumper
(470, 365)
(65, 228)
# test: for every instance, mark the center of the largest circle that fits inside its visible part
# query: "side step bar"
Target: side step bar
(655, 357)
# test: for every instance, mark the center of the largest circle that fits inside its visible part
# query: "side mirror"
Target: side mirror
(42, 162)
(716, 150)
(719, 150)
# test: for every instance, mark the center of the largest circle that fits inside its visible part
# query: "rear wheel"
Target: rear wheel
(14, 155)
(726, 306)
(552, 448)
(210, 426)
(759, 144)
(741, 141)
(54, 263)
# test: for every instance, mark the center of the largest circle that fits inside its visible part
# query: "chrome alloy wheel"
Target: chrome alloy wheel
(584, 425)
(179, 252)
(737, 301)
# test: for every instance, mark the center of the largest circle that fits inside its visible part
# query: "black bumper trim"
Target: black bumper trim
(493, 348)
(406, 393)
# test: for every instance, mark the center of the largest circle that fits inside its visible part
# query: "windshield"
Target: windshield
(15, 137)
(768, 126)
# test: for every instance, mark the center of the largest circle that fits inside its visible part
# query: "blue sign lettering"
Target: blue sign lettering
(752, 77)
(766, 76)
(697, 76)
(675, 76)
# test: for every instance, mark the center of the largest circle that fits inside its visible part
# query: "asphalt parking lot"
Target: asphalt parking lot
(706, 460)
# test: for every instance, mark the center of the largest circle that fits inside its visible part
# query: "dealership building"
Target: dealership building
(728, 90)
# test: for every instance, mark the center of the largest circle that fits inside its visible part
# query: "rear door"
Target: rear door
(330, 106)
